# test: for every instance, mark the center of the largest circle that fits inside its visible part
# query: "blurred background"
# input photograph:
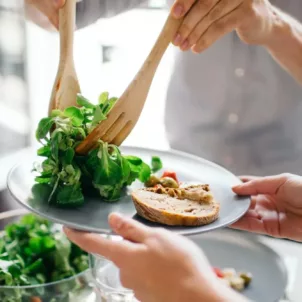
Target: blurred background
(106, 60)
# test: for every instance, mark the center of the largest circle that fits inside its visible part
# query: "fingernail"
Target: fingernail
(236, 187)
(185, 45)
(116, 221)
(195, 50)
(177, 40)
(178, 11)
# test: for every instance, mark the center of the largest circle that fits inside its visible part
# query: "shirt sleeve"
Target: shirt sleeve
(89, 11)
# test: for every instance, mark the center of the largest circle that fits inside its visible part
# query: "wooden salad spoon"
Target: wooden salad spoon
(66, 86)
(125, 114)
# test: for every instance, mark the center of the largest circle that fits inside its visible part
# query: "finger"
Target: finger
(222, 19)
(246, 178)
(217, 30)
(96, 244)
(198, 11)
(50, 9)
(181, 7)
(35, 15)
(128, 228)
(251, 222)
(263, 185)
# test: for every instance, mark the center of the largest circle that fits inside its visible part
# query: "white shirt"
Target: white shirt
(232, 104)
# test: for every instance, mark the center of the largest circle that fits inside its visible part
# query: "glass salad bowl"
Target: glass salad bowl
(108, 287)
(78, 288)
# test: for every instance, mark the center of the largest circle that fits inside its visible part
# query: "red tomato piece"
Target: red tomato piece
(218, 272)
(171, 174)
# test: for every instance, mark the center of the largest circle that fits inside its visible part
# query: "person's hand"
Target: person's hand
(276, 207)
(156, 264)
(44, 12)
(206, 21)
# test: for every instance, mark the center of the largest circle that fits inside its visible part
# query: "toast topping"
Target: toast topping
(200, 193)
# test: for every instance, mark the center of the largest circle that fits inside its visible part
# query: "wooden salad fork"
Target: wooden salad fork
(125, 114)
(66, 86)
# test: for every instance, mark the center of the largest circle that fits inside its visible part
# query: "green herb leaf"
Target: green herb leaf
(82, 101)
(108, 106)
(41, 191)
(42, 180)
(49, 166)
(144, 173)
(56, 138)
(75, 115)
(69, 155)
(98, 116)
(81, 263)
(6, 278)
(44, 127)
(103, 98)
(57, 113)
(133, 160)
(125, 169)
(110, 172)
(109, 192)
(34, 267)
(70, 196)
(15, 269)
(156, 164)
(44, 151)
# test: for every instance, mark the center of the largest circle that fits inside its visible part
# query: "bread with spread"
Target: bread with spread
(192, 205)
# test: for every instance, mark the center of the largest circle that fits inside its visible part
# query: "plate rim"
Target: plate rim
(183, 154)
(191, 231)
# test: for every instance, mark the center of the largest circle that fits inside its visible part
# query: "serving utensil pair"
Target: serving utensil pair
(125, 114)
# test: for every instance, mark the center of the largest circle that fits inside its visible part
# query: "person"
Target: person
(241, 109)
(165, 259)
(276, 207)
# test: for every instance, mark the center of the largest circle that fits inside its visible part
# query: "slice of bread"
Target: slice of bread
(187, 206)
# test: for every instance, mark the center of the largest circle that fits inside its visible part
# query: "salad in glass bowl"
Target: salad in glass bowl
(39, 264)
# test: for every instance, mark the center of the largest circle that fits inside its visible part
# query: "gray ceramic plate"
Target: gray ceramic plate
(92, 216)
(244, 252)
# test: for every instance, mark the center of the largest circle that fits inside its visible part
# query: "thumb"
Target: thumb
(49, 9)
(263, 185)
(128, 228)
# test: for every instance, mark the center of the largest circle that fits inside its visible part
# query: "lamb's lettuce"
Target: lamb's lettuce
(34, 251)
(103, 169)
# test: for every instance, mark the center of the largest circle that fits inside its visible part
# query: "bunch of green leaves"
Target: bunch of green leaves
(110, 171)
(65, 174)
(34, 251)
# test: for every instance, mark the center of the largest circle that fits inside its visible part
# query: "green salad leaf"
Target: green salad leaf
(105, 170)
(35, 251)
(156, 164)
(44, 127)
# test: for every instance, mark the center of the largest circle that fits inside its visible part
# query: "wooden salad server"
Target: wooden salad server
(125, 114)
(66, 86)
